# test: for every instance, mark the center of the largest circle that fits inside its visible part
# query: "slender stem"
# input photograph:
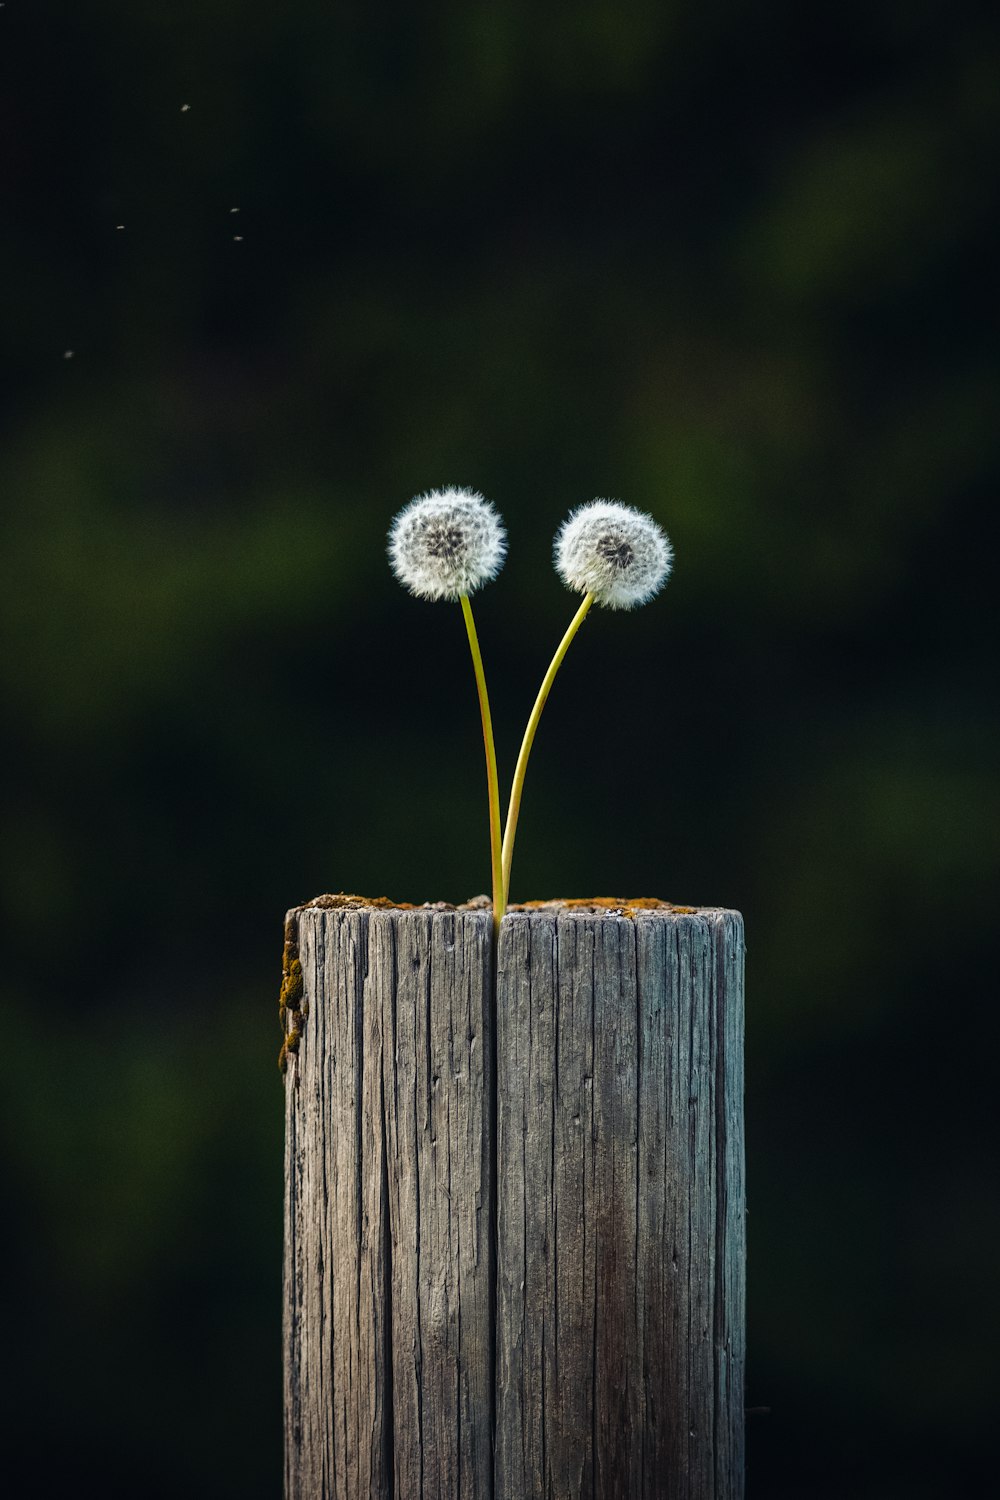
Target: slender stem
(492, 781)
(517, 786)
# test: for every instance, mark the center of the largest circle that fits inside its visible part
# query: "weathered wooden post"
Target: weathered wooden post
(514, 1260)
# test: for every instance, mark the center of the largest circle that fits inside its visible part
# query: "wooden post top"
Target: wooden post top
(514, 1212)
(573, 906)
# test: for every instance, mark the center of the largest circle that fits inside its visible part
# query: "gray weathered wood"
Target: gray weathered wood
(621, 1253)
(389, 1173)
(552, 1266)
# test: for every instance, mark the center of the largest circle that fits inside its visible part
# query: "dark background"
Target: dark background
(734, 263)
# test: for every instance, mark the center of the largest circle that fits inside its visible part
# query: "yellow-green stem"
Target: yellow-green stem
(492, 782)
(517, 786)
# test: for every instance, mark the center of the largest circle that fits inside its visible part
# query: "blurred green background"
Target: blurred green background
(733, 263)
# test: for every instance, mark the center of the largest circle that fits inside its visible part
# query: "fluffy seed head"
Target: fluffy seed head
(614, 552)
(447, 543)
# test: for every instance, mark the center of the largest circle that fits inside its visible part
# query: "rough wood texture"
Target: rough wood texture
(388, 1180)
(621, 1253)
(581, 1308)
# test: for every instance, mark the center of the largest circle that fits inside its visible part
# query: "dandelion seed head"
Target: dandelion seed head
(613, 551)
(447, 543)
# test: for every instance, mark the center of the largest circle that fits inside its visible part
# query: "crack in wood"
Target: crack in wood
(586, 1118)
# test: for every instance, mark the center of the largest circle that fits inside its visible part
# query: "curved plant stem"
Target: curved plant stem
(517, 786)
(492, 782)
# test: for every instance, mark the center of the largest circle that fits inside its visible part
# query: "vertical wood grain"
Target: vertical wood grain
(621, 1206)
(388, 1189)
(561, 1255)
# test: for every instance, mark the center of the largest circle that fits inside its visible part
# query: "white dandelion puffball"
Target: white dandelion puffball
(447, 543)
(614, 552)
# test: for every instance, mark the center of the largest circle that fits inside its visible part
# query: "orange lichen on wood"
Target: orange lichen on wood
(291, 1006)
(347, 901)
(624, 906)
